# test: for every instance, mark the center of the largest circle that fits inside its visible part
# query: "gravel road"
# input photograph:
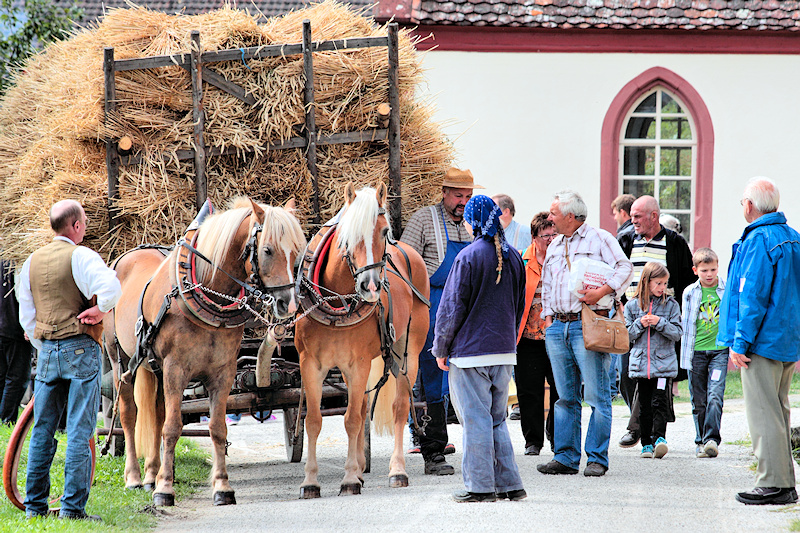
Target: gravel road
(676, 493)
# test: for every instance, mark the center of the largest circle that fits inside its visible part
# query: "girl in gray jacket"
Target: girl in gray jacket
(653, 319)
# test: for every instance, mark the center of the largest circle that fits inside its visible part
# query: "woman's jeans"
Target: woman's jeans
(480, 397)
(706, 390)
(68, 374)
(573, 363)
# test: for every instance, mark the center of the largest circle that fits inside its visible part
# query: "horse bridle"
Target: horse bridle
(250, 254)
(380, 264)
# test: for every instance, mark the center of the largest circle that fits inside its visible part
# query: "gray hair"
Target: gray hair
(504, 202)
(571, 202)
(763, 193)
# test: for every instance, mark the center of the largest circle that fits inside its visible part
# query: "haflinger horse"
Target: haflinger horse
(189, 310)
(356, 273)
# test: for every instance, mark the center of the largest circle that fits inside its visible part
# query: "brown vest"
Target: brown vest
(57, 299)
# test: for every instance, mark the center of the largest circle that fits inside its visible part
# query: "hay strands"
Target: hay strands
(195, 63)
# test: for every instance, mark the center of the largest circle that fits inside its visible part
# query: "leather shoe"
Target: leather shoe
(84, 516)
(437, 466)
(513, 495)
(629, 439)
(768, 496)
(463, 496)
(595, 470)
(515, 413)
(555, 468)
(533, 449)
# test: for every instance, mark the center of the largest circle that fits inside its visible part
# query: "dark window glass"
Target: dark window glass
(641, 128)
(675, 194)
(639, 161)
(668, 105)
(648, 105)
(639, 187)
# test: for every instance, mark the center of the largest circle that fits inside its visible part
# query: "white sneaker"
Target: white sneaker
(700, 453)
(711, 449)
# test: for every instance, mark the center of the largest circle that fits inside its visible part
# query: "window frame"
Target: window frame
(617, 115)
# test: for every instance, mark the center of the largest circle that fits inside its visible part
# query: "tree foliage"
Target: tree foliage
(27, 26)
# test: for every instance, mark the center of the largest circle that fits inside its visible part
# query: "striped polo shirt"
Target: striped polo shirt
(643, 252)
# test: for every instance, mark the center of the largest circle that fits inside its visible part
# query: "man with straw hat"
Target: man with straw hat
(438, 233)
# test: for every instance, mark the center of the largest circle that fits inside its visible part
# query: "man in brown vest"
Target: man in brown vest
(57, 284)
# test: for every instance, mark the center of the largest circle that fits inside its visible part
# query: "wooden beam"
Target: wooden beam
(311, 125)
(246, 54)
(218, 81)
(294, 142)
(395, 179)
(198, 118)
(112, 157)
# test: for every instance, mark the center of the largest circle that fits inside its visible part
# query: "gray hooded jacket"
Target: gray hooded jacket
(660, 359)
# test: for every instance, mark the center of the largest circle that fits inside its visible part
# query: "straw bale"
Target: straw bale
(53, 130)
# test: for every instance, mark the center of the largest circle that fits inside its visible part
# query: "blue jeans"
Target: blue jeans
(612, 374)
(480, 397)
(571, 363)
(68, 373)
(706, 391)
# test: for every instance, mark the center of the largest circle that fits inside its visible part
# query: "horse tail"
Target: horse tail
(383, 420)
(144, 393)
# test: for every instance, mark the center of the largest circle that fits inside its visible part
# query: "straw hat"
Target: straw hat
(460, 179)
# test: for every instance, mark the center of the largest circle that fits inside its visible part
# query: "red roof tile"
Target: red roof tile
(758, 15)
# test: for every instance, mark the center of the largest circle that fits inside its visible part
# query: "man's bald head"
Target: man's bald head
(63, 216)
(645, 213)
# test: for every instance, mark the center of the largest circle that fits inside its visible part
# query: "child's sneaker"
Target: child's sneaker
(647, 451)
(700, 453)
(661, 448)
(711, 449)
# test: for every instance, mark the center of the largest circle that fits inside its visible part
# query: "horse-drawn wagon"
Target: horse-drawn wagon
(260, 382)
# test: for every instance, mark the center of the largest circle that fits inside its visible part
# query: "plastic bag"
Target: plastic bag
(590, 274)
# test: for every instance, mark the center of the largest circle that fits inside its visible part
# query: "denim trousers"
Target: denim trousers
(480, 397)
(15, 372)
(573, 363)
(706, 391)
(68, 374)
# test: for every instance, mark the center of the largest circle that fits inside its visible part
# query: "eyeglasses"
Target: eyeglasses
(548, 236)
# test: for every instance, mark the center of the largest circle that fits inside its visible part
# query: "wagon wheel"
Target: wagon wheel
(294, 448)
(17, 452)
(367, 446)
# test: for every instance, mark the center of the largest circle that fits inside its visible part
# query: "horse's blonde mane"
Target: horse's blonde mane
(358, 221)
(217, 232)
(215, 237)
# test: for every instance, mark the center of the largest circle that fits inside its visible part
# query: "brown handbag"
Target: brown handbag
(601, 334)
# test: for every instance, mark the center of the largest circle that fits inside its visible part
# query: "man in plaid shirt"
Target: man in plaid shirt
(572, 363)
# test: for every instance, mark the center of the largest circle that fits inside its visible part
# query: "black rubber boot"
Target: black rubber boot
(434, 440)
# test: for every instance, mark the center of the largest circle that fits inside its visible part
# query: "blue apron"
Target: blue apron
(434, 380)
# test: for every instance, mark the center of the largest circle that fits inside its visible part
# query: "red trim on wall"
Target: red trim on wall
(504, 39)
(704, 132)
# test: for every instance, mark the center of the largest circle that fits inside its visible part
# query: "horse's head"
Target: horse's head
(276, 239)
(363, 231)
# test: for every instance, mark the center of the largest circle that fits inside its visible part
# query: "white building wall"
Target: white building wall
(529, 124)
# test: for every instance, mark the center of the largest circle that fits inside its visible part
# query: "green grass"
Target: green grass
(121, 510)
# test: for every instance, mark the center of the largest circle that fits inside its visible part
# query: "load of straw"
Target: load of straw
(52, 127)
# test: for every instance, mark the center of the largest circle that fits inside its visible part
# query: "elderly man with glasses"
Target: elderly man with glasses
(533, 365)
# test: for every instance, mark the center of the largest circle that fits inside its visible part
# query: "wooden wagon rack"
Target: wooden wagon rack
(195, 61)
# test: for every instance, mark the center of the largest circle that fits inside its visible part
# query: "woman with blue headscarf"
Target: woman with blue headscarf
(475, 339)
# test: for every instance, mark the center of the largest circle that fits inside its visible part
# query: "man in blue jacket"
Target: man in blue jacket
(760, 322)
(476, 328)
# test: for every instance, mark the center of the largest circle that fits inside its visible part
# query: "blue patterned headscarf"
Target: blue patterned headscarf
(484, 216)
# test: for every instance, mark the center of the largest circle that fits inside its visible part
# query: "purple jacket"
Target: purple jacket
(475, 316)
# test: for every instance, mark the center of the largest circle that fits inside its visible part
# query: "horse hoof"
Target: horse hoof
(134, 487)
(149, 487)
(224, 498)
(398, 480)
(309, 492)
(162, 499)
(350, 488)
